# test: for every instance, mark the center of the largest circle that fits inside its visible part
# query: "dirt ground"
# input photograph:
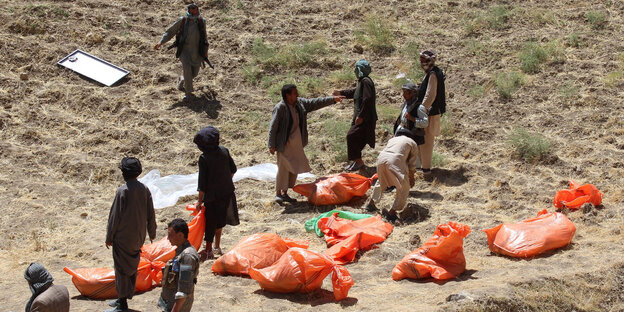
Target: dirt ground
(62, 135)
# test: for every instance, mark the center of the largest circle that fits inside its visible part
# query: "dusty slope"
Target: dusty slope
(61, 137)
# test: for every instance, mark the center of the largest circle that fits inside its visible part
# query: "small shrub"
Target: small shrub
(507, 83)
(295, 55)
(438, 160)
(597, 19)
(531, 57)
(343, 76)
(376, 34)
(555, 52)
(498, 16)
(477, 48)
(529, 146)
(252, 74)
(476, 91)
(411, 50)
(574, 40)
(262, 52)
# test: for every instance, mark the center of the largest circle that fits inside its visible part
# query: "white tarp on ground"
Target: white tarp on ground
(168, 189)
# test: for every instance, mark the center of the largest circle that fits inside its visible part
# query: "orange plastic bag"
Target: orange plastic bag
(99, 283)
(255, 251)
(300, 271)
(441, 257)
(531, 237)
(347, 237)
(335, 189)
(577, 195)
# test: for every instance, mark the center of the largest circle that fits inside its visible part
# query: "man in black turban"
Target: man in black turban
(45, 295)
(131, 216)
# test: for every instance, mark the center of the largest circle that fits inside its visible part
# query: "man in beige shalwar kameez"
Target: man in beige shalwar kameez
(396, 166)
(288, 135)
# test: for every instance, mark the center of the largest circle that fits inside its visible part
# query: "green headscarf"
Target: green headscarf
(362, 69)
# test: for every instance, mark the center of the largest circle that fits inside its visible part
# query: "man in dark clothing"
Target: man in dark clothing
(190, 32)
(413, 116)
(46, 297)
(216, 189)
(131, 216)
(364, 120)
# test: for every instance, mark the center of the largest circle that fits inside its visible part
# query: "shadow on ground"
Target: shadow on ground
(206, 103)
(315, 298)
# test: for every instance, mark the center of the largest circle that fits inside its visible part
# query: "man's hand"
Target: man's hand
(336, 93)
(272, 150)
(408, 116)
(338, 98)
(157, 46)
(359, 121)
(108, 245)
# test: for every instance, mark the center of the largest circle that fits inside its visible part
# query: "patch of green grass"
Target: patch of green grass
(476, 47)
(555, 51)
(574, 40)
(343, 76)
(498, 16)
(337, 130)
(531, 57)
(614, 77)
(388, 113)
(529, 146)
(252, 73)
(596, 19)
(476, 91)
(306, 86)
(411, 50)
(438, 160)
(47, 11)
(377, 35)
(507, 83)
(447, 125)
(292, 56)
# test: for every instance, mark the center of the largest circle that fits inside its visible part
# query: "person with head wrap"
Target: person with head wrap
(131, 216)
(192, 46)
(46, 297)
(288, 135)
(216, 189)
(396, 166)
(364, 119)
(432, 94)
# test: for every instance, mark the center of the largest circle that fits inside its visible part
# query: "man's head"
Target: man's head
(38, 278)
(409, 90)
(130, 168)
(193, 9)
(427, 60)
(177, 232)
(362, 69)
(207, 139)
(290, 94)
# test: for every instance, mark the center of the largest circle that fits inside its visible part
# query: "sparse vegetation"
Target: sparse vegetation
(528, 146)
(344, 76)
(611, 79)
(447, 124)
(531, 57)
(291, 56)
(496, 18)
(388, 113)
(574, 40)
(438, 160)
(377, 35)
(569, 92)
(507, 83)
(596, 19)
(337, 129)
(476, 91)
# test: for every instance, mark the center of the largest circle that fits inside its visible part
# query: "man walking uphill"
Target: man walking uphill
(192, 46)
(131, 215)
(364, 121)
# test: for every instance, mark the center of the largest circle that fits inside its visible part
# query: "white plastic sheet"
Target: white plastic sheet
(168, 189)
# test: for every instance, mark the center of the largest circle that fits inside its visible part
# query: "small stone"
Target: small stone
(63, 255)
(466, 154)
(24, 76)
(587, 207)
(415, 240)
(84, 214)
(358, 49)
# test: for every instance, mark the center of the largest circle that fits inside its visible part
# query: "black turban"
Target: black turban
(207, 139)
(131, 166)
(39, 280)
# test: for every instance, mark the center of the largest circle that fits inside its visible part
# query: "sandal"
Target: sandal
(205, 255)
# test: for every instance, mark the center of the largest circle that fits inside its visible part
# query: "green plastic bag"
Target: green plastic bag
(312, 224)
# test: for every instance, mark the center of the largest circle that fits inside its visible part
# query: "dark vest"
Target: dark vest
(439, 104)
(181, 37)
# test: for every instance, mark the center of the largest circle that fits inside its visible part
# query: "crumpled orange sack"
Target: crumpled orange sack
(533, 236)
(300, 271)
(577, 195)
(255, 251)
(335, 189)
(441, 257)
(99, 283)
(347, 237)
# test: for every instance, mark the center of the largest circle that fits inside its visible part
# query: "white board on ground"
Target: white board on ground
(168, 189)
(93, 67)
